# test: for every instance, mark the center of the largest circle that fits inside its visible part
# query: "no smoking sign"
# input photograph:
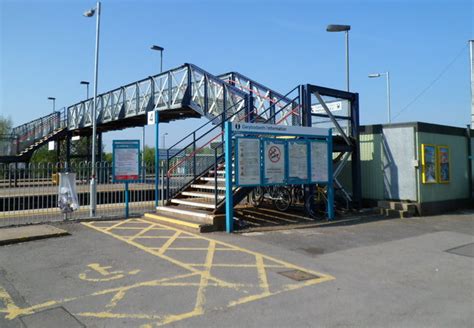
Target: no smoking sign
(274, 154)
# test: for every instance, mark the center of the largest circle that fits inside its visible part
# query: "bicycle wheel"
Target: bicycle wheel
(256, 196)
(298, 195)
(315, 205)
(282, 201)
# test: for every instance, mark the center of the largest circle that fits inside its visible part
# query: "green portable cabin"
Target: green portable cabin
(427, 164)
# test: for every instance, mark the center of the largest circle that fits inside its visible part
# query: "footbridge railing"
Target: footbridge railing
(25, 135)
(202, 149)
(187, 86)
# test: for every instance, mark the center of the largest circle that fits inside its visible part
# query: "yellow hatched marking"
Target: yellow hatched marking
(115, 225)
(141, 232)
(163, 248)
(204, 271)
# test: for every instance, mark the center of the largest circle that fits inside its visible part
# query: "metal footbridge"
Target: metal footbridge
(194, 165)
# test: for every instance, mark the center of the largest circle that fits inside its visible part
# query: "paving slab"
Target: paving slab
(28, 233)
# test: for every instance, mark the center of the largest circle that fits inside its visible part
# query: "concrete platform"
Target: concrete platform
(28, 233)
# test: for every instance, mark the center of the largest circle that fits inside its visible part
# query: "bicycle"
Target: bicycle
(315, 203)
(280, 197)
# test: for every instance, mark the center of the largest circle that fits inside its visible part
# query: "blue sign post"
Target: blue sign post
(126, 165)
(313, 145)
(229, 195)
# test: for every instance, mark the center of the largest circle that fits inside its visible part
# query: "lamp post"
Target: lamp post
(157, 134)
(387, 75)
(346, 29)
(163, 140)
(93, 186)
(87, 88)
(54, 103)
(160, 49)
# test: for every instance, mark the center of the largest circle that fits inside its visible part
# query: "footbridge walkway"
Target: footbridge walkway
(193, 169)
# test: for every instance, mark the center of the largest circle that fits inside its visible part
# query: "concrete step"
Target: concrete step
(208, 186)
(392, 213)
(213, 179)
(189, 218)
(220, 172)
(179, 223)
(399, 206)
(194, 202)
(202, 194)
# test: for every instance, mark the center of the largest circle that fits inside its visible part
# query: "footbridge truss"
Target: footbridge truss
(184, 92)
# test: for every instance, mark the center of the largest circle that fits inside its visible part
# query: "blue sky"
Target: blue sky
(47, 47)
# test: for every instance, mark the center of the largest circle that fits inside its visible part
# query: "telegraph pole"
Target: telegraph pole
(471, 48)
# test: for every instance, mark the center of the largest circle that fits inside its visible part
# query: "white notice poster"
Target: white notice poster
(274, 162)
(319, 161)
(298, 160)
(248, 161)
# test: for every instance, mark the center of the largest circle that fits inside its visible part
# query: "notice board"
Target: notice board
(319, 161)
(248, 163)
(126, 160)
(274, 153)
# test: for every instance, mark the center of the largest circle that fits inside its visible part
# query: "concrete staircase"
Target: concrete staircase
(194, 208)
(40, 142)
(397, 209)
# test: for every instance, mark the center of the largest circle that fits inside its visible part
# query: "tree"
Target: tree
(5, 125)
(43, 155)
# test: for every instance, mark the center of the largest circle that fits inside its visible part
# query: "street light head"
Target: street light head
(51, 98)
(374, 75)
(158, 48)
(85, 82)
(89, 13)
(338, 28)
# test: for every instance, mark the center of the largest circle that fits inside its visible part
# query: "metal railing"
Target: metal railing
(29, 193)
(202, 149)
(25, 135)
(185, 86)
(263, 98)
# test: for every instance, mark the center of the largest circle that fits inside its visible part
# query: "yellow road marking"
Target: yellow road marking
(169, 220)
(264, 287)
(164, 248)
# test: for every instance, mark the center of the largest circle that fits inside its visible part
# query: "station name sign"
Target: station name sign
(256, 128)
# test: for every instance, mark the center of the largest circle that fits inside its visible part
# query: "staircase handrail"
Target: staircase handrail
(261, 86)
(199, 138)
(217, 126)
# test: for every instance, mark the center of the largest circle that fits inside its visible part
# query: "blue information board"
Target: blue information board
(303, 156)
(298, 161)
(126, 160)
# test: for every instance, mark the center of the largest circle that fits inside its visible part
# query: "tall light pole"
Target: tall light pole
(87, 88)
(157, 134)
(54, 103)
(346, 29)
(471, 47)
(93, 186)
(387, 75)
(163, 140)
(160, 49)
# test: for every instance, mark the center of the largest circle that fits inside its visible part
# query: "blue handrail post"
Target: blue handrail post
(157, 158)
(126, 201)
(229, 202)
(330, 185)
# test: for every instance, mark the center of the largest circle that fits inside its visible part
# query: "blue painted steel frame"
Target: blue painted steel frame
(229, 196)
(157, 158)
(136, 144)
(229, 183)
